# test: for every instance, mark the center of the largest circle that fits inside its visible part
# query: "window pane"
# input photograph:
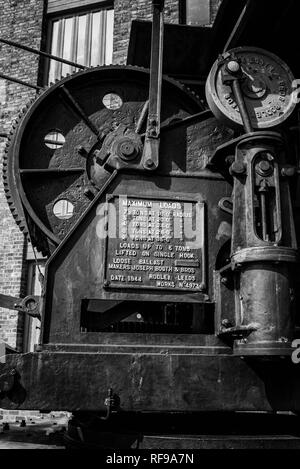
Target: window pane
(109, 36)
(86, 39)
(67, 43)
(96, 38)
(197, 12)
(54, 50)
(81, 39)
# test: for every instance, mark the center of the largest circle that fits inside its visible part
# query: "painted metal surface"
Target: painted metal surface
(158, 349)
(160, 380)
(263, 248)
(266, 87)
(38, 173)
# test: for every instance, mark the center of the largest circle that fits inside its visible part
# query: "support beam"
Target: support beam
(41, 53)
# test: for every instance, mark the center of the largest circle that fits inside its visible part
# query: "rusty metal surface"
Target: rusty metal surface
(176, 265)
(189, 50)
(220, 442)
(266, 86)
(142, 339)
(77, 269)
(263, 247)
(153, 381)
(44, 173)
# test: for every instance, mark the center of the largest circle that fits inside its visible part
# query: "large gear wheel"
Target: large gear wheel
(53, 155)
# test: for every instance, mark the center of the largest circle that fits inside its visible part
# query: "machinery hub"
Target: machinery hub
(67, 141)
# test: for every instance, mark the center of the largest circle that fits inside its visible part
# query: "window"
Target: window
(84, 38)
(195, 12)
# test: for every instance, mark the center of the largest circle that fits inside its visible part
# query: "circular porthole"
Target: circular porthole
(63, 209)
(54, 140)
(112, 101)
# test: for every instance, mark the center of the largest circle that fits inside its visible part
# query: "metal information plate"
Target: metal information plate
(155, 243)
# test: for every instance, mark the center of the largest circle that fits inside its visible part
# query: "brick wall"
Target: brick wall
(21, 21)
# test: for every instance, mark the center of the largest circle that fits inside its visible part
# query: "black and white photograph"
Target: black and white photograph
(149, 228)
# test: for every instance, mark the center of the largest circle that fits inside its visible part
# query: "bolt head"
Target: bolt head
(237, 168)
(226, 323)
(264, 166)
(233, 66)
(127, 148)
(149, 162)
(82, 151)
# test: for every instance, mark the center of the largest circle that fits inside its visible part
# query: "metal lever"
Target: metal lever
(152, 140)
(263, 191)
(233, 74)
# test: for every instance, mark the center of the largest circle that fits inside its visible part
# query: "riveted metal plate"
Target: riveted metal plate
(155, 243)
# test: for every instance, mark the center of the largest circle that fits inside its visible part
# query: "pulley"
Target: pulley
(265, 83)
(57, 158)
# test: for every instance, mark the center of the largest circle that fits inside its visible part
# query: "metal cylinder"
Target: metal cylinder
(263, 251)
(265, 298)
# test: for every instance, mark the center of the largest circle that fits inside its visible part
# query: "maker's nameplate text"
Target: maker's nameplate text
(155, 244)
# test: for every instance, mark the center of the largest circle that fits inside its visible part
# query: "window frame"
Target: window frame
(182, 13)
(68, 12)
(89, 6)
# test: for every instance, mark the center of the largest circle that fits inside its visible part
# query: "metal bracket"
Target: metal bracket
(28, 305)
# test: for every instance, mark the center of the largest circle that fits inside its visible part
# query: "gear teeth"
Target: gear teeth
(14, 202)
(5, 175)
